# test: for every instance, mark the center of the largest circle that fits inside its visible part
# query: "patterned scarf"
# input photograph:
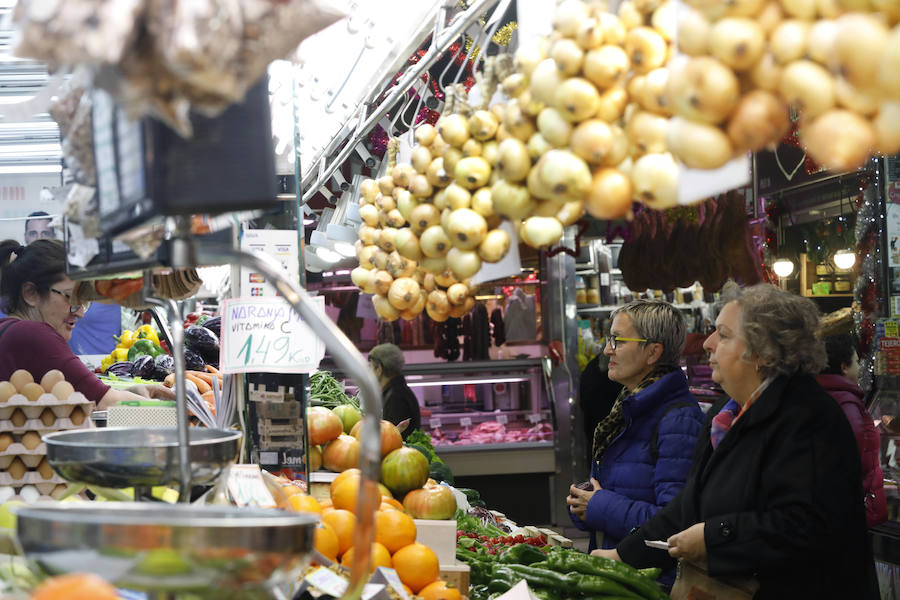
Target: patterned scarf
(609, 428)
(730, 413)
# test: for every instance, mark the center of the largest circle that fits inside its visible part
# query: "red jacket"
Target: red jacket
(849, 397)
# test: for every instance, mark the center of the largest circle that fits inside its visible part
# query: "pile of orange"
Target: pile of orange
(395, 544)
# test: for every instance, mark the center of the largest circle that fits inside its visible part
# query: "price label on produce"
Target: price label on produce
(265, 335)
(465, 422)
(534, 418)
(502, 419)
(434, 422)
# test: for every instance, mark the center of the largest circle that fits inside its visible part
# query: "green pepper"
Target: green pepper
(567, 561)
(502, 579)
(522, 554)
(651, 573)
(602, 585)
(479, 570)
(543, 577)
(142, 348)
(479, 592)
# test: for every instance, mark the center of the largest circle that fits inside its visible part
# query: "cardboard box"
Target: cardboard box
(457, 575)
(440, 536)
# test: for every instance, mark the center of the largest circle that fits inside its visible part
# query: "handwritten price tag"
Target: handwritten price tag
(534, 418)
(465, 422)
(502, 419)
(265, 335)
(434, 422)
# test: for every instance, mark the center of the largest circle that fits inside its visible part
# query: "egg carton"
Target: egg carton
(30, 458)
(34, 408)
(29, 478)
(18, 444)
(30, 493)
(39, 424)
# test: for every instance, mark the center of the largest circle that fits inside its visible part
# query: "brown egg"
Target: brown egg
(51, 378)
(48, 418)
(6, 390)
(62, 390)
(18, 418)
(77, 416)
(44, 469)
(32, 391)
(17, 469)
(20, 378)
(31, 440)
(5, 440)
(58, 491)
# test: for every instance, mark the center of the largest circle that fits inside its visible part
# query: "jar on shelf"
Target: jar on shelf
(593, 292)
(580, 291)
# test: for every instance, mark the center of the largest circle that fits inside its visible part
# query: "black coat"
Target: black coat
(780, 497)
(401, 403)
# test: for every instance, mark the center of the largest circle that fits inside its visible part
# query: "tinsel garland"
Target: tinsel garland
(866, 292)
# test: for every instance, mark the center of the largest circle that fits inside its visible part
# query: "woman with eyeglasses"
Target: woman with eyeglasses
(642, 450)
(36, 295)
(775, 489)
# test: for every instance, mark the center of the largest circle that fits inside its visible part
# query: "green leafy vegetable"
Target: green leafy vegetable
(325, 390)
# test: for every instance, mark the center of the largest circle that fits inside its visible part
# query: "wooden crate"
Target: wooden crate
(457, 575)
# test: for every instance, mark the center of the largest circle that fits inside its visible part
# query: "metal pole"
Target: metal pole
(353, 364)
(435, 51)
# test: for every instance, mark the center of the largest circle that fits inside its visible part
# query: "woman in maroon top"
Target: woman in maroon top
(839, 380)
(36, 294)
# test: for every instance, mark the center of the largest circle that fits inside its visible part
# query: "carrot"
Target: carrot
(210, 400)
(207, 377)
(212, 369)
(169, 381)
(202, 386)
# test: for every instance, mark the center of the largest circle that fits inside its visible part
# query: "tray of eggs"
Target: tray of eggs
(51, 405)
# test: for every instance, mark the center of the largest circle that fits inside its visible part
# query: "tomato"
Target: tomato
(404, 469)
(341, 454)
(390, 436)
(434, 502)
(323, 425)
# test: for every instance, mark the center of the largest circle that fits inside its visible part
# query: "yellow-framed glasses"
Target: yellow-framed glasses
(613, 341)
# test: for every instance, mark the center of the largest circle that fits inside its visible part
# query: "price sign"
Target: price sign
(890, 329)
(434, 422)
(465, 422)
(502, 419)
(534, 418)
(247, 488)
(265, 335)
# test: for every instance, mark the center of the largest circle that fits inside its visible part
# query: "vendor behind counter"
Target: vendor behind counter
(36, 293)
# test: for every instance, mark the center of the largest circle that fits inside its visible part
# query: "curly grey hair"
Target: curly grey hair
(660, 322)
(390, 357)
(779, 328)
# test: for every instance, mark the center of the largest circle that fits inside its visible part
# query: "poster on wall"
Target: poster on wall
(280, 244)
(22, 194)
(887, 347)
(892, 229)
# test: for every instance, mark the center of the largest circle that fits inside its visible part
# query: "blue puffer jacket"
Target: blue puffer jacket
(634, 488)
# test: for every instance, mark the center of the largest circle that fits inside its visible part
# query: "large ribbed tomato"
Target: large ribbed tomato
(430, 502)
(341, 454)
(390, 436)
(404, 469)
(323, 425)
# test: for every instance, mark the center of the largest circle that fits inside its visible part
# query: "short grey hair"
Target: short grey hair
(779, 328)
(390, 357)
(660, 322)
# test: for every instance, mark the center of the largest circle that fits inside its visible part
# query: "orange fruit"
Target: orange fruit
(326, 503)
(326, 541)
(345, 494)
(439, 590)
(393, 502)
(349, 473)
(406, 587)
(386, 506)
(416, 565)
(380, 557)
(394, 529)
(304, 503)
(343, 522)
(77, 586)
(384, 491)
